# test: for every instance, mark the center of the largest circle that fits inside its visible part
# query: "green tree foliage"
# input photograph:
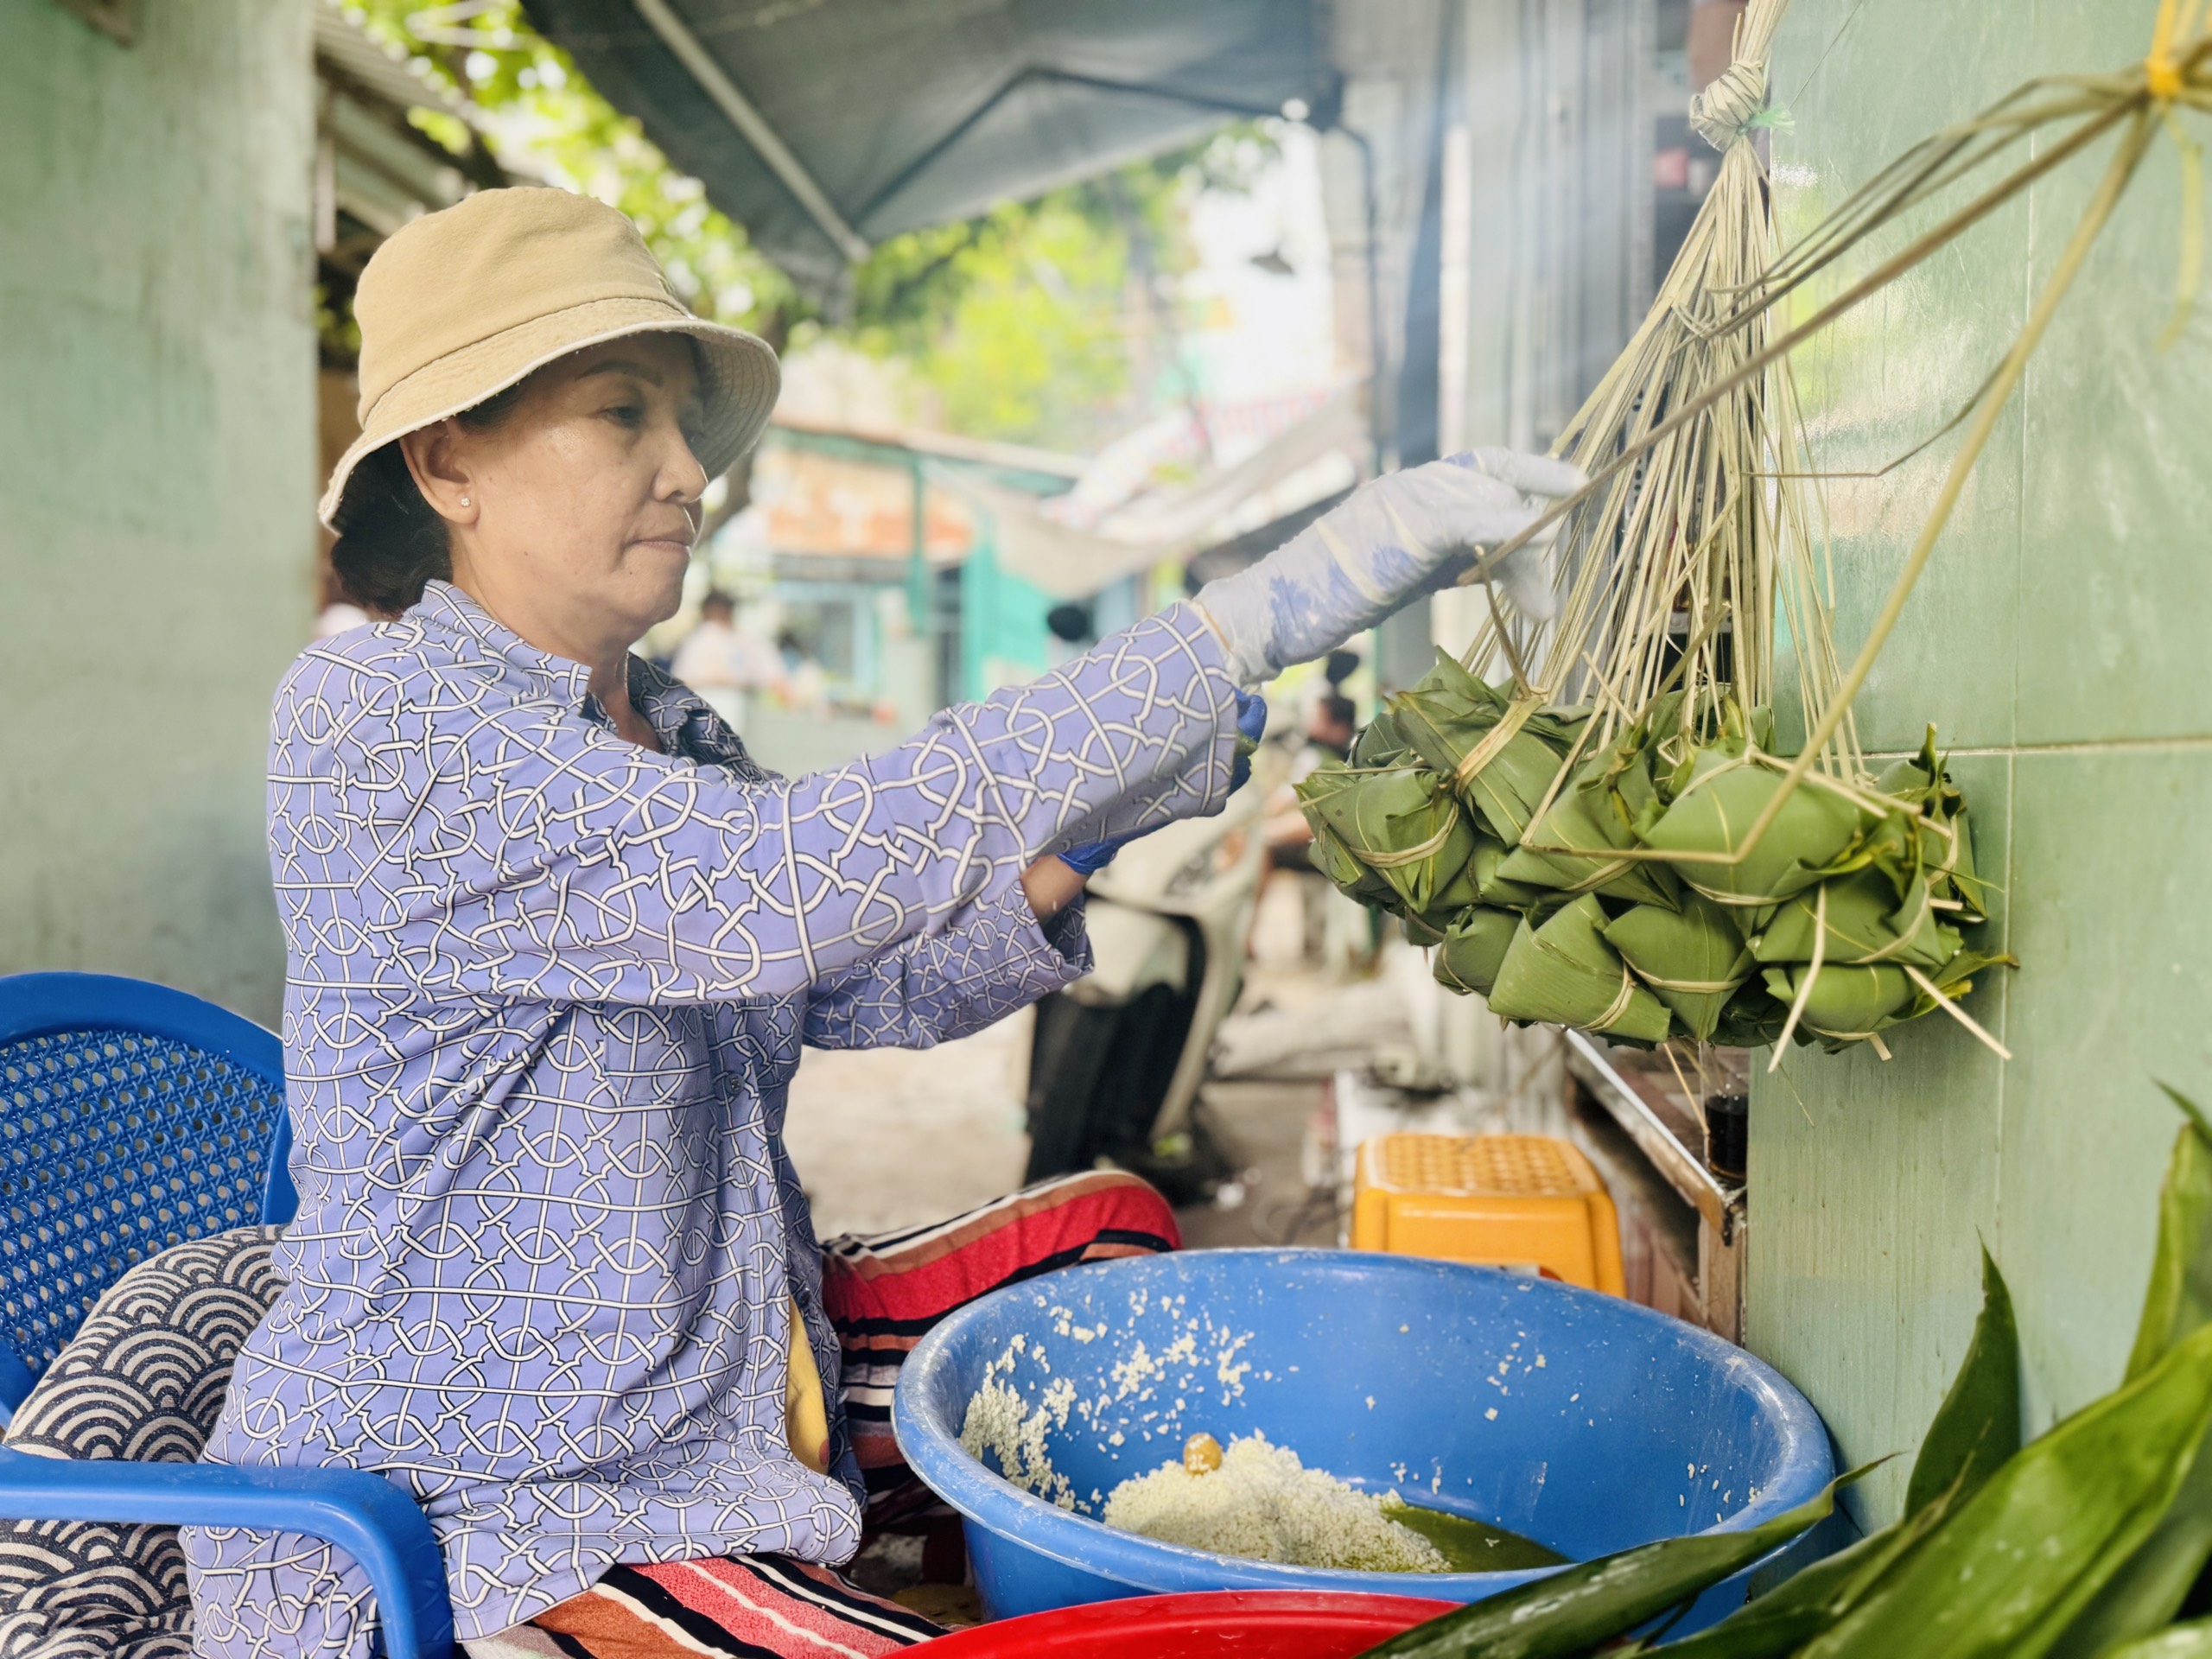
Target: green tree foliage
(547, 120)
(1020, 333)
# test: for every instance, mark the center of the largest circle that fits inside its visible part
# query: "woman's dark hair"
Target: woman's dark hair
(390, 541)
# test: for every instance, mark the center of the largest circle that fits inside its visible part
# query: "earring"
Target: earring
(464, 500)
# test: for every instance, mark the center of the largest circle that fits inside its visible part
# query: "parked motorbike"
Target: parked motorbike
(1118, 1056)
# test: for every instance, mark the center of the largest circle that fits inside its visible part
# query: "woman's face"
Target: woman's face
(571, 519)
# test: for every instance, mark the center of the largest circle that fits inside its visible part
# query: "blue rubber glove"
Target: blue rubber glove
(1094, 857)
(1251, 725)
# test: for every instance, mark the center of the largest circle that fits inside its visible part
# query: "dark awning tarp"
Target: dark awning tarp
(825, 125)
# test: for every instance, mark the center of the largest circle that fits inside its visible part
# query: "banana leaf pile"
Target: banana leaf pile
(2086, 1543)
(1611, 887)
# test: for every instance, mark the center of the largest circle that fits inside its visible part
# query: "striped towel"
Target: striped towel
(726, 1607)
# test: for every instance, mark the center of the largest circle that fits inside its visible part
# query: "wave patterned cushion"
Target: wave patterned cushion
(142, 1380)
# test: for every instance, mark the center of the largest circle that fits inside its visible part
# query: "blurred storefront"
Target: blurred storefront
(860, 555)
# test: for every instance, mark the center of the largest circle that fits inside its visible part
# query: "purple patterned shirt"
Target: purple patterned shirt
(546, 991)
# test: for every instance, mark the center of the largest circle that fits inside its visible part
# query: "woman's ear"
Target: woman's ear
(434, 459)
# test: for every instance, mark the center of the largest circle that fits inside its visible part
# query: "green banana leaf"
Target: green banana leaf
(1508, 790)
(1753, 1018)
(1426, 930)
(1714, 810)
(1636, 763)
(1399, 822)
(1588, 817)
(1693, 957)
(1490, 854)
(2179, 1299)
(1976, 1428)
(1428, 927)
(1812, 1599)
(1923, 784)
(1458, 695)
(1445, 714)
(1448, 715)
(1847, 1003)
(2190, 1641)
(1917, 775)
(2008, 1570)
(1564, 973)
(2156, 1579)
(1473, 949)
(1571, 1611)
(2150, 1590)
(1968, 888)
(1956, 979)
(1867, 920)
(1977, 1425)
(1460, 888)
(1336, 861)
(1381, 744)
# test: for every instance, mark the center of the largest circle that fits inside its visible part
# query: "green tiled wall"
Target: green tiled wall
(2062, 642)
(157, 477)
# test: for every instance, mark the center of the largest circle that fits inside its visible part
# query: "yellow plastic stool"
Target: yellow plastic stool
(1526, 1201)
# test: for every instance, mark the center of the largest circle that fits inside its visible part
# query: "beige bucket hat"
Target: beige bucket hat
(462, 303)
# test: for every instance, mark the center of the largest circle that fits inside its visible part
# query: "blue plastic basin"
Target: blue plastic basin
(1584, 1422)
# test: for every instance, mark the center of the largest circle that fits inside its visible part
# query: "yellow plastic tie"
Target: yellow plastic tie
(2161, 73)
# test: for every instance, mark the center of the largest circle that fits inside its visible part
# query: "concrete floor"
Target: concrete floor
(893, 1138)
(890, 1138)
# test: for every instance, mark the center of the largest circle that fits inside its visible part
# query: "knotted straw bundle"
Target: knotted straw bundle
(1691, 538)
(1666, 554)
(1845, 922)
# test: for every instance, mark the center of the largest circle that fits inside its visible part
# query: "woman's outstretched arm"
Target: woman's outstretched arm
(992, 961)
(490, 839)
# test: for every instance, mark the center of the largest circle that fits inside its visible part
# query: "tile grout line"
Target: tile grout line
(2189, 744)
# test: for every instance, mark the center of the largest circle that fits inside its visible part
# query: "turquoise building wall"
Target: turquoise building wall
(1003, 639)
(2060, 640)
(157, 458)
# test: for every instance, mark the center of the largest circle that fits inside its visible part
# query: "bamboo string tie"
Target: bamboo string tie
(1733, 104)
(1494, 740)
(1413, 854)
(1620, 1003)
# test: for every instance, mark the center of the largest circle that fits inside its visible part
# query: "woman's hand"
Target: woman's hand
(1399, 536)
(1051, 885)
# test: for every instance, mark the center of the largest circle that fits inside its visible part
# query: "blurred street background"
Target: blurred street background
(1080, 304)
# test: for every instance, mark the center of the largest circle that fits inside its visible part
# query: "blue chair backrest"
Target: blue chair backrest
(132, 1117)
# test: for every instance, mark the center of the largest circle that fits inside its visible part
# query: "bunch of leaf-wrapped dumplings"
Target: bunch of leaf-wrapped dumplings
(1626, 897)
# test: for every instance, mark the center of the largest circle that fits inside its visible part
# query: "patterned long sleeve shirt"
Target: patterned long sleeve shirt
(546, 989)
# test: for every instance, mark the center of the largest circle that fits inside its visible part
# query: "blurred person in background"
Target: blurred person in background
(727, 667)
(804, 686)
(1332, 724)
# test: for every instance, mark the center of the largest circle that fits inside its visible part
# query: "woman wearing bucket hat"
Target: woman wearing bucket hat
(555, 942)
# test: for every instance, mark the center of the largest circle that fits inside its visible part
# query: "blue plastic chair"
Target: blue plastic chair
(133, 1117)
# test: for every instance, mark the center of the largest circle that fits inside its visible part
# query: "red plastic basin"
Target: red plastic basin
(1202, 1624)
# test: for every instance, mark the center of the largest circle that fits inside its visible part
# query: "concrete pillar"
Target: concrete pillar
(157, 455)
